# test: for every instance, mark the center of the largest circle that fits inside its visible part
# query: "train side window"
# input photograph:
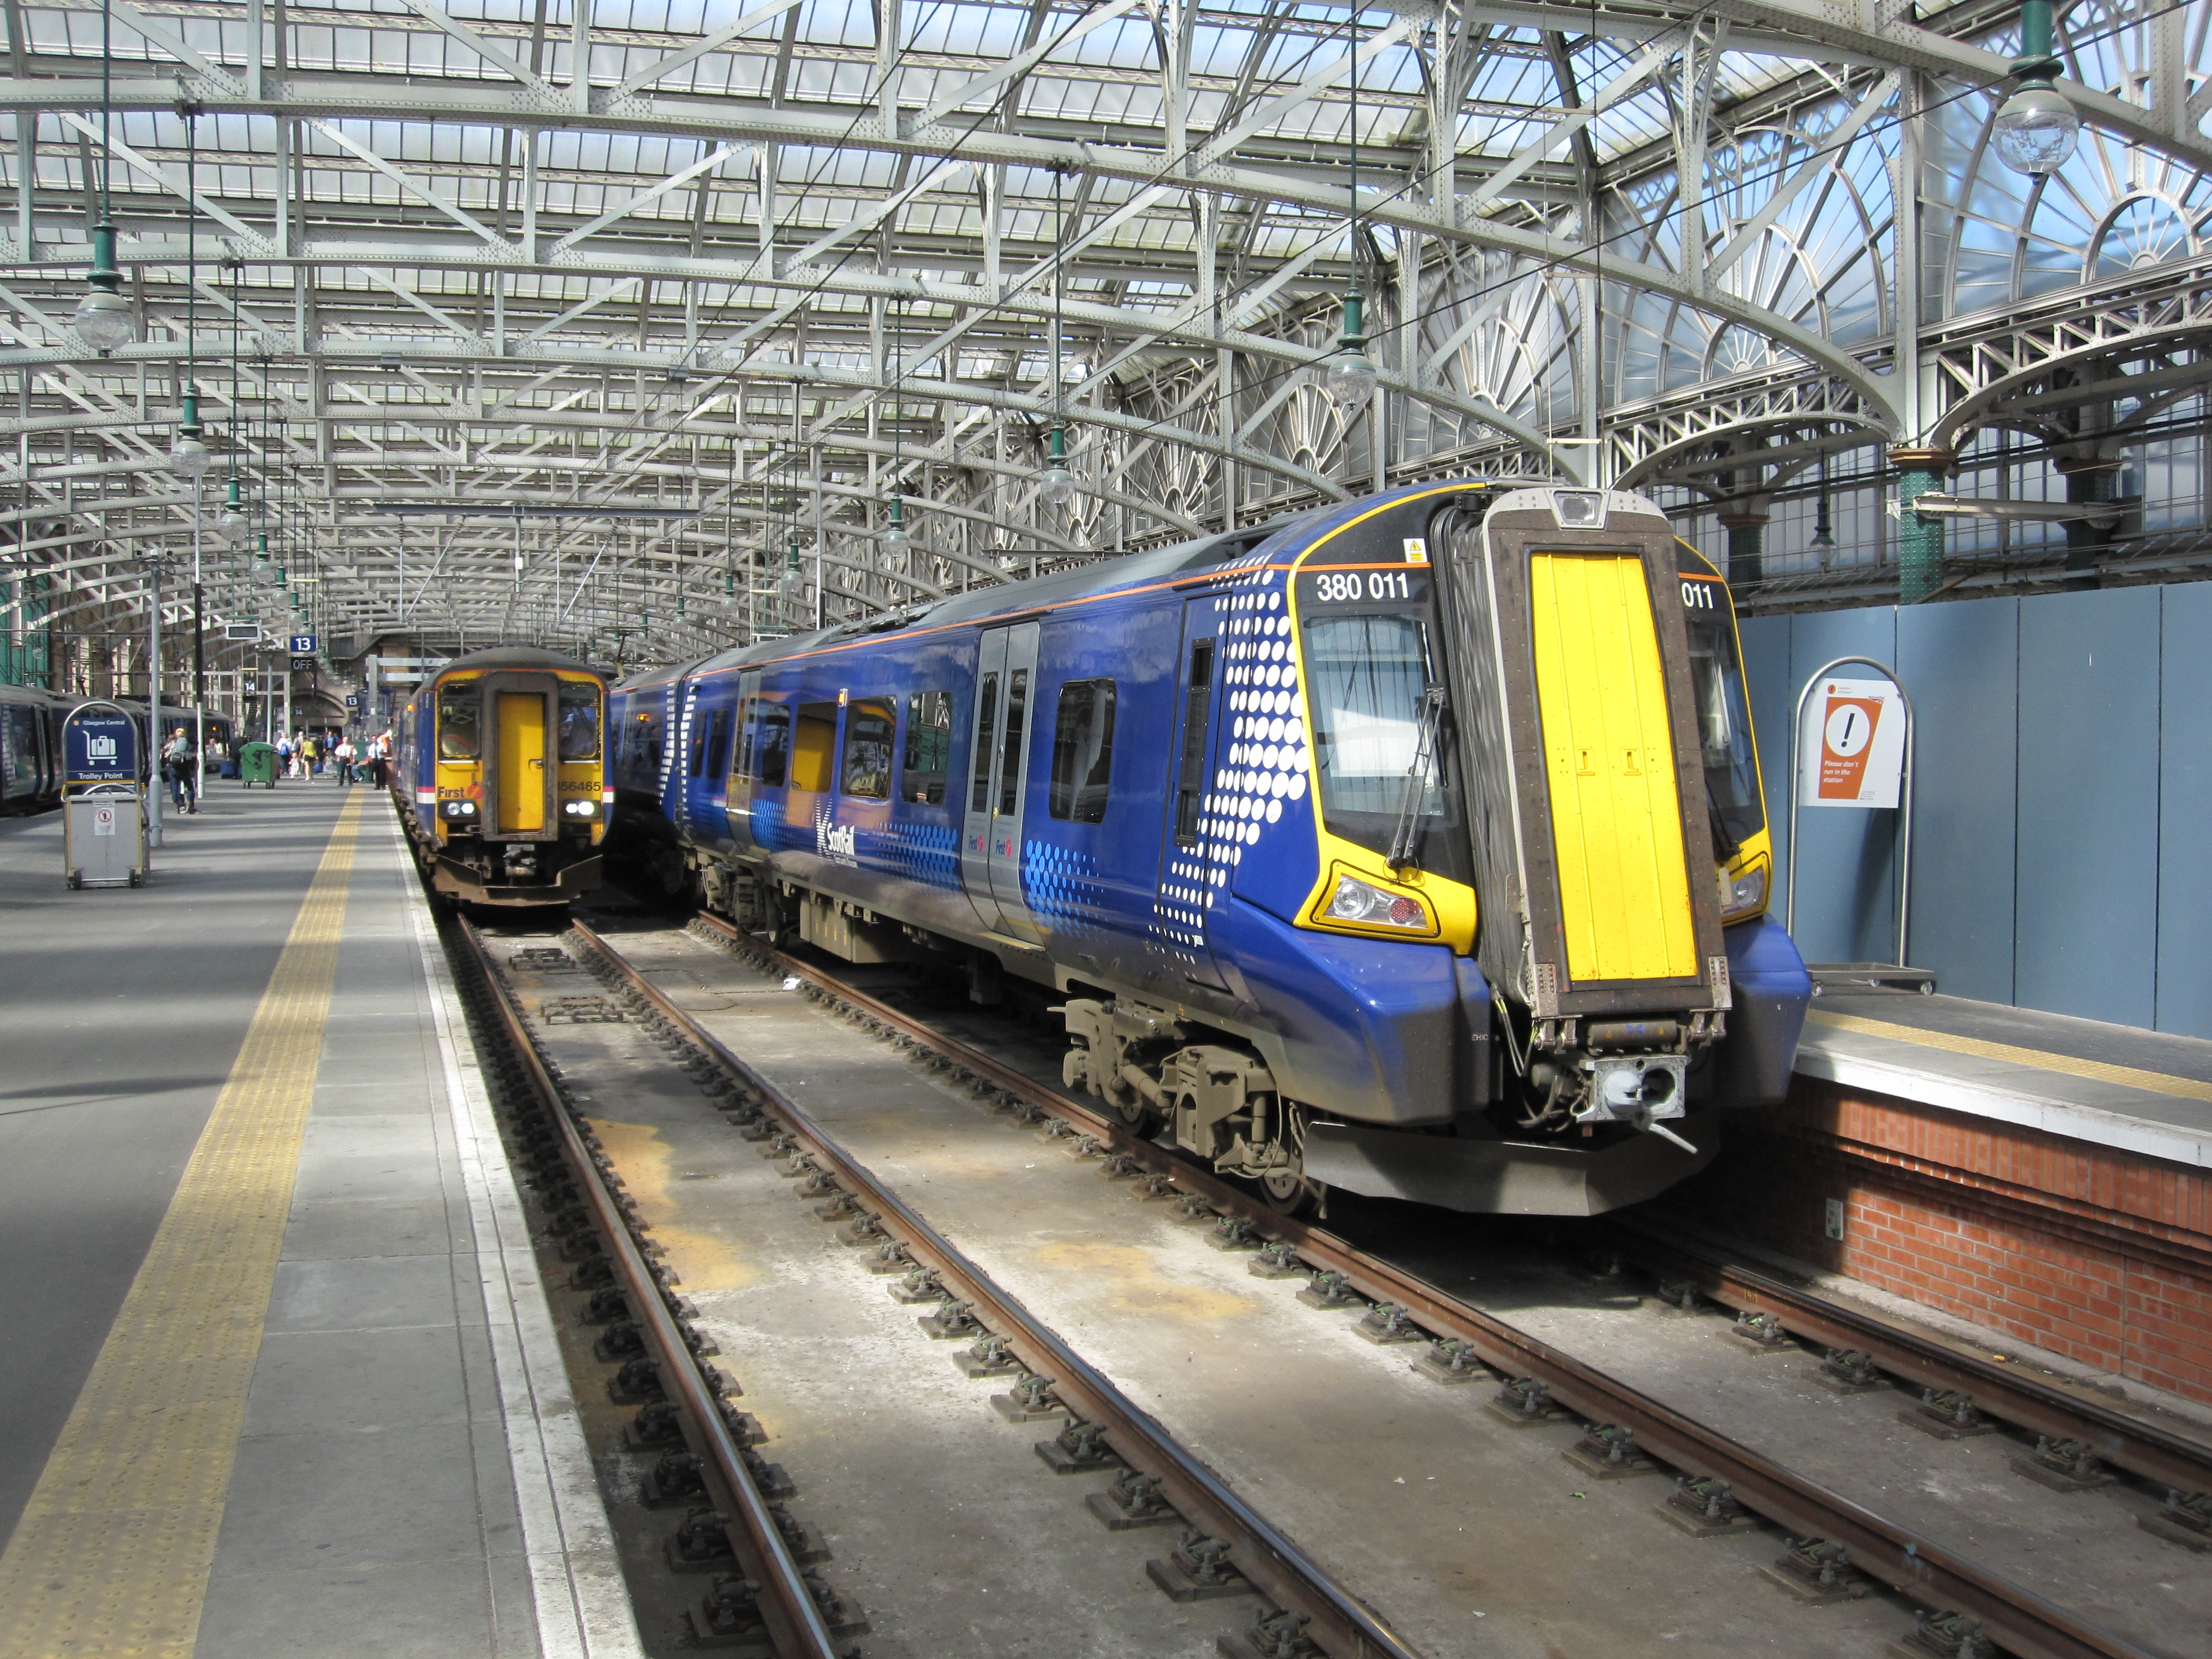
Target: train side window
(1083, 751)
(870, 725)
(642, 744)
(987, 715)
(814, 746)
(718, 744)
(579, 721)
(1190, 777)
(1010, 758)
(748, 737)
(458, 707)
(698, 757)
(773, 747)
(23, 741)
(928, 747)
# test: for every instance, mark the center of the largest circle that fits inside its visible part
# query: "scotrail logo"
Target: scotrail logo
(834, 841)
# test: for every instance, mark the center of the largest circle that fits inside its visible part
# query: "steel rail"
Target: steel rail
(795, 1622)
(1342, 1625)
(2016, 1618)
(1998, 1388)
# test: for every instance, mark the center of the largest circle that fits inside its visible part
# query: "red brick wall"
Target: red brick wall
(2102, 1255)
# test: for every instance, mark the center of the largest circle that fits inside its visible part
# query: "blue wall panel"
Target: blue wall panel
(1960, 664)
(2086, 884)
(2184, 873)
(1846, 864)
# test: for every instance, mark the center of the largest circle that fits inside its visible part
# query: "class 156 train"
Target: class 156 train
(500, 776)
(1414, 845)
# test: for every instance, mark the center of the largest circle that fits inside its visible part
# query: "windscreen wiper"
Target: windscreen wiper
(1402, 838)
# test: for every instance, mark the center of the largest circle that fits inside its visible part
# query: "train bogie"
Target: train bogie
(1413, 847)
(500, 776)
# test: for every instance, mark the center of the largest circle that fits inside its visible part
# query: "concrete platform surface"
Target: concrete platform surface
(281, 1371)
(2112, 1085)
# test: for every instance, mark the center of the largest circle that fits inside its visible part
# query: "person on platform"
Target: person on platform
(181, 769)
(284, 755)
(347, 755)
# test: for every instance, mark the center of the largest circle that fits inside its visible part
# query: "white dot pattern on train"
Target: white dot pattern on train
(1262, 755)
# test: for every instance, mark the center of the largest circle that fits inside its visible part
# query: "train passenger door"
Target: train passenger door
(998, 781)
(1191, 851)
(521, 763)
(745, 761)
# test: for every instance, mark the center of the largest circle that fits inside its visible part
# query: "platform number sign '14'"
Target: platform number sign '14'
(1853, 748)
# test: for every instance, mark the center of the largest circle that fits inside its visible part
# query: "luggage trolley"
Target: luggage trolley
(104, 802)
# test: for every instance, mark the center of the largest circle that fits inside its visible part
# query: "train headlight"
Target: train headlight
(1743, 894)
(1368, 906)
(1579, 509)
(579, 809)
(457, 809)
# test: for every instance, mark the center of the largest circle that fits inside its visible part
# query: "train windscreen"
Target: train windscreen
(1723, 716)
(579, 721)
(1365, 677)
(459, 708)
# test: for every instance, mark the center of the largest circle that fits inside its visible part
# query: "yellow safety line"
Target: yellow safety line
(2157, 1083)
(112, 1555)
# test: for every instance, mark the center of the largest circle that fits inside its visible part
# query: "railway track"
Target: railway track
(780, 1606)
(1225, 1546)
(1957, 1593)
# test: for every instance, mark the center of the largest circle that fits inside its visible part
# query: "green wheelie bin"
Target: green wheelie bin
(257, 763)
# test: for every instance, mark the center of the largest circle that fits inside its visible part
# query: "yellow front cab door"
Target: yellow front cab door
(1609, 757)
(521, 763)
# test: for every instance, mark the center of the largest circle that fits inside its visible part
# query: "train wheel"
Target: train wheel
(1289, 1194)
(1138, 1115)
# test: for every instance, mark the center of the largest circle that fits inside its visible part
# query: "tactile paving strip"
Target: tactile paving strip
(112, 1553)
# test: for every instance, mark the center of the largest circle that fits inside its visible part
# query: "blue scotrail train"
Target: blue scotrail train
(1412, 846)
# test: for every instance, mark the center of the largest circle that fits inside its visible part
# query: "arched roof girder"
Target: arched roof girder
(1655, 462)
(309, 98)
(1976, 409)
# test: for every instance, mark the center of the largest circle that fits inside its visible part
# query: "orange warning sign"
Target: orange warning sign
(1853, 745)
(1847, 729)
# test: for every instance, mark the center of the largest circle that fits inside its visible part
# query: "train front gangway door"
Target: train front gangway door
(1609, 760)
(521, 763)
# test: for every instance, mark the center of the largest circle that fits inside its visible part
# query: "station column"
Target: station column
(1919, 540)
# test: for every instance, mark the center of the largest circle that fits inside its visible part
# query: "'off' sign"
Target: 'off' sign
(1853, 746)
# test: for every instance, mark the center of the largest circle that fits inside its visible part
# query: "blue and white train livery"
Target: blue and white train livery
(1413, 845)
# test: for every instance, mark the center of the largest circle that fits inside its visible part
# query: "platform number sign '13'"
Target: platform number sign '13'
(1852, 751)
